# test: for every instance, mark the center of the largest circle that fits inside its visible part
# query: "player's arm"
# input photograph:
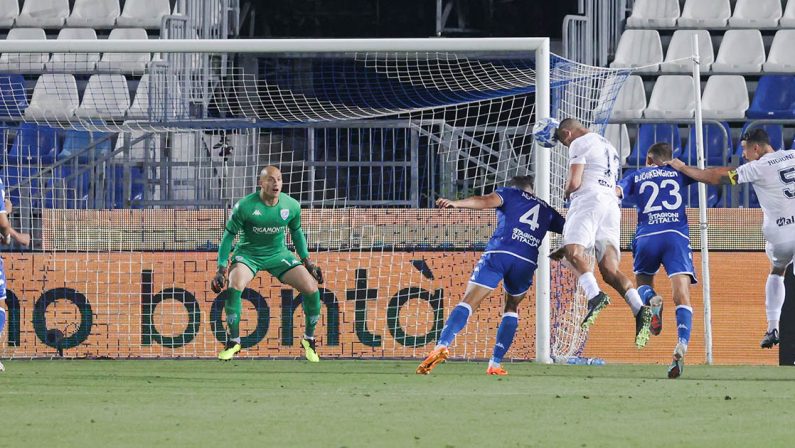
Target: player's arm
(301, 247)
(574, 180)
(233, 226)
(7, 230)
(492, 200)
(723, 175)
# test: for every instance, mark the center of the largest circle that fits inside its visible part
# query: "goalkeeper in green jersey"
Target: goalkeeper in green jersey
(260, 219)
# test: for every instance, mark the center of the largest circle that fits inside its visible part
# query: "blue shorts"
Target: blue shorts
(669, 249)
(2, 280)
(516, 273)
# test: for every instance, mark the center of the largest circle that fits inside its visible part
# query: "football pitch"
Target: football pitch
(384, 403)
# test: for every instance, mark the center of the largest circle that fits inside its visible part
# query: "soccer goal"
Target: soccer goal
(124, 158)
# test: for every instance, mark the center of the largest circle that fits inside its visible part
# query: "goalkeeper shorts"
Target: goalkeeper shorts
(276, 264)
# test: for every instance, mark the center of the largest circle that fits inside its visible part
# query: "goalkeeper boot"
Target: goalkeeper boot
(437, 356)
(770, 339)
(642, 326)
(499, 371)
(656, 305)
(309, 350)
(232, 348)
(678, 364)
(595, 306)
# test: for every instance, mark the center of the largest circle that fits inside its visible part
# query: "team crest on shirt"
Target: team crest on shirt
(284, 213)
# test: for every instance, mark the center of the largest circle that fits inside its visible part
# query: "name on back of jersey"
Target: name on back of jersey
(524, 237)
(650, 174)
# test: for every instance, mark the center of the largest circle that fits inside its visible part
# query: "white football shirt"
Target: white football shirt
(601, 161)
(773, 178)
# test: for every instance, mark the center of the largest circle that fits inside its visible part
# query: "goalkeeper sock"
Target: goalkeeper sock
(233, 308)
(774, 300)
(684, 321)
(456, 321)
(311, 305)
(2, 319)
(505, 334)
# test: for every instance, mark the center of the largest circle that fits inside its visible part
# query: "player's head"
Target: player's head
(523, 183)
(756, 143)
(270, 180)
(568, 130)
(658, 154)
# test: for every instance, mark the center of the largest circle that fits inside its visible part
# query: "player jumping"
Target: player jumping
(772, 173)
(662, 237)
(511, 256)
(8, 234)
(594, 221)
(260, 218)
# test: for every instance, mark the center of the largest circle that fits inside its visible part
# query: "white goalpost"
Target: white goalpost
(124, 172)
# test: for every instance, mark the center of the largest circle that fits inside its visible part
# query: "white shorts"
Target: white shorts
(593, 221)
(780, 253)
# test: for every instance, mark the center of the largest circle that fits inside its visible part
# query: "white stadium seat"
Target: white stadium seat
(639, 48)
(672, 98)
(124, 62)
(630, 101)
(756, 14)
(725, 98)
(681, 49)
(782, 53)
(94, 13)
(143, 13)
(106, 97)
(618, 135)
(654, 13)
(74, 62)
(9, 10)
(705, 13)
(24, 62)
(788, 19)
(54, 98)
(741, 51)
(138, 149)
(43, 13)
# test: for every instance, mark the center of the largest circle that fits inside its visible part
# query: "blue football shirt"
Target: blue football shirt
(659, 193)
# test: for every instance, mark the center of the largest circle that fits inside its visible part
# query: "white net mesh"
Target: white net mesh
(125, 178)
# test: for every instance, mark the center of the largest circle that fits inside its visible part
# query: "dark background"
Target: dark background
(400, 18)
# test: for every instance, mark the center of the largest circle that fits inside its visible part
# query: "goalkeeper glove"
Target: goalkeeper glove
(314, 270)
(219, 281)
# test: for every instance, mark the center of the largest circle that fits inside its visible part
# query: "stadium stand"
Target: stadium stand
(126, 63)
(13, 98)
(143, 14)
(725, 98)
(54, 98)
(654, 13)
(106, 97)
(781, 57)
(672, 98)
(705, 14)
(788, 18)
(639, 48)
(648, 134)
(631, 100)
(85, 144)
(680, 49)
(74, 62)
(618, 135)
(94, 13)
(24, 62)
(756, 14)
(34, 145)
(774, 97)
(717, 148)
(43, 13)
(9, 10)
(742, 51)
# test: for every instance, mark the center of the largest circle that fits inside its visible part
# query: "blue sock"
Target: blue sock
(505, 334)
(2, 319)
(455, 323)
(684, 321)
(646, 293)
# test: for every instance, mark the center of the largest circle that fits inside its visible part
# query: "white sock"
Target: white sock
(236, 340)
(633, 300)
(588, 284)
(774, 300)
(309, 338)
(493, 364)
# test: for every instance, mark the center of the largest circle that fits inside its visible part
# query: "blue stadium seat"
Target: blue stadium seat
(12, 176)
(76, 142)
(713, 197)
(774, 98)
(66, 189)
(114, 192)
(628, 203)
(649, 134)
(13, 99)
(714, 144)
(774, 131)
(34, 145)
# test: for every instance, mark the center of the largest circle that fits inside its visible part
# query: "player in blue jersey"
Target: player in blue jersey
(8, 233)
(662, 237)
(510, 256)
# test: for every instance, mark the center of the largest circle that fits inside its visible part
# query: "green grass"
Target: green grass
(383, 403)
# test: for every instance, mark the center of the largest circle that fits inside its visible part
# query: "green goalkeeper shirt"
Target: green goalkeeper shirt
(262, 227)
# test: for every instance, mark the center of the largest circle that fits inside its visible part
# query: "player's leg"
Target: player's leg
(680, 284)
(780, 257)
(3, 316)
(240, 275)
(647, 254)
(609, 268)
(299, 278)
(517, 281)
(485, 277)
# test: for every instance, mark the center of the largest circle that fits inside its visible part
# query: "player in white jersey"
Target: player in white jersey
(594, 220)
(772, 173)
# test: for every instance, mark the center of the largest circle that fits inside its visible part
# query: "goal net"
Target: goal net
(123, 160)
